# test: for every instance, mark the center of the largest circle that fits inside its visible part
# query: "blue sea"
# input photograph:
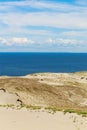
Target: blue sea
(19, 64)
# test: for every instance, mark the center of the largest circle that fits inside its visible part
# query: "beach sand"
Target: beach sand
(23, 119)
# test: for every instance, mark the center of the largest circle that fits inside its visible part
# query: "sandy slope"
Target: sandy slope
(61, 90)
(8, 98)
(45, 89)
(11, 119)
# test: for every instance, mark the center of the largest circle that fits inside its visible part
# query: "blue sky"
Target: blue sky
(43, 25)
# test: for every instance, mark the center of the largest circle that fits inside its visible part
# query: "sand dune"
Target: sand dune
(52, 90)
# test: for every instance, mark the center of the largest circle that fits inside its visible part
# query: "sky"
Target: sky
(43, 25)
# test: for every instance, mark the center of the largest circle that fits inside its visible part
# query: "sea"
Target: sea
(20, 64)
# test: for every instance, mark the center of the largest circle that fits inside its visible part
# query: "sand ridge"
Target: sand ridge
(67, 90)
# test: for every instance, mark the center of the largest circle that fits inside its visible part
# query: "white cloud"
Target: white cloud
(45, 44)
(4, 41)
(82, 34)
(66, 41)
(50, 41)
(39, 5)
(70, 16)
(50, 17)
(18, 41)
(59, 20)
(22, 41)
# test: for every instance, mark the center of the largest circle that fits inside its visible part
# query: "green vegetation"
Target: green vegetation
(54, 109)
(33, 107)
(79, 112)
(7, 105)
(49, 109)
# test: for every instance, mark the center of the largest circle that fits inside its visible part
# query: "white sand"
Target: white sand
(8, 98)
(23, 119)
(58, 78)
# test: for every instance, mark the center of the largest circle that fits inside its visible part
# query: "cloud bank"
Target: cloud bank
(18, 41)
(38, 23)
